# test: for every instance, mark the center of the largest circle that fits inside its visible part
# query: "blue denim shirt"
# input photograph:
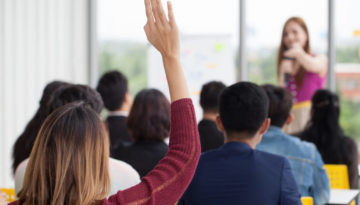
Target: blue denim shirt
(305, 162)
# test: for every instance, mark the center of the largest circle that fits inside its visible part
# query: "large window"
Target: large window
(265, 21)
(122, 41)
(123, 44)
(347, 66)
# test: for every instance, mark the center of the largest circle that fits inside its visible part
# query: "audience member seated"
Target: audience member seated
(325, 132)
(210, 136)
(113, 88)
(305, 160)
(69, 161)
(24, 144)
(149, 125)
(122, 175)
(236, 173)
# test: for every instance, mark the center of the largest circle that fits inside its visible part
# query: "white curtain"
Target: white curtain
(40, 41)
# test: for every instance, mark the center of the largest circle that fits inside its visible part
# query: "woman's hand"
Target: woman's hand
(162, 33)
(294, 52)
(315, 64)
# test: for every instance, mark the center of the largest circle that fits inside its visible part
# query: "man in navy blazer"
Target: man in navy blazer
(236, 173)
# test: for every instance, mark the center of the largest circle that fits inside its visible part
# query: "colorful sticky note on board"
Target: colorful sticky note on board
(356, 32)
(211, 65)
(219, 47)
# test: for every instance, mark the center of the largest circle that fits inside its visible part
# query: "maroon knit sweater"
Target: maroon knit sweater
(165, 184)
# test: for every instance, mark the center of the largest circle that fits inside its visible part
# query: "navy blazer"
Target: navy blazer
(237, 174)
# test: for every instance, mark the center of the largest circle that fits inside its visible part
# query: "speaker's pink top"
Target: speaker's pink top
(311, 83)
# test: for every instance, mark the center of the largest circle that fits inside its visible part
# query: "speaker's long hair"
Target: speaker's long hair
(301, 73)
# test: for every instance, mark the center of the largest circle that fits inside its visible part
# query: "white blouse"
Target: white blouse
(122, 175)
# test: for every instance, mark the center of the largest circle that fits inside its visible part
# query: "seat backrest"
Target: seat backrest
(10, 194)
(338, 176)
(307, 200)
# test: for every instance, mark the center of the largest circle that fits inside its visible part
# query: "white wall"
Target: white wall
(40, 41)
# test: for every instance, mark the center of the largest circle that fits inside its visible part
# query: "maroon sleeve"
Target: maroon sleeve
(165, 184)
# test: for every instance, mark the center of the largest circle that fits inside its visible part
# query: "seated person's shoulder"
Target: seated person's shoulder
(348, 141)
(209, 155)
(304, 149)
(349, 145)
(272, 159)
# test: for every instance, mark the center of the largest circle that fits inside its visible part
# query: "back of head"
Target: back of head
(69, 161)
(149, 117)
(112, 87)
(71, 93)
(24, 143)
(210, 95)
(280, 104)
(243, 108)
(325, 108)
(49, 91)
(323, 128)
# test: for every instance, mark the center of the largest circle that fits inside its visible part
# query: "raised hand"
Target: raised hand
(162, 33)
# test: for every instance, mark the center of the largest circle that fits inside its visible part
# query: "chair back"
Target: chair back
(10, 193)
(338, 176)
(307, 200)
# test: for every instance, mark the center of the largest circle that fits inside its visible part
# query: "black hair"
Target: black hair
(112, 87)
(51, 100)
(209, 96)
(324, 129)
(149, 118)
(25, 141)
(243, 108)
(280, 104)
(325, 132)
(71, 93)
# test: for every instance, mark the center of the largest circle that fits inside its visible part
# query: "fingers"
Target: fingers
(155, 11)
(149, 16)
(161, 12)
(170, 13)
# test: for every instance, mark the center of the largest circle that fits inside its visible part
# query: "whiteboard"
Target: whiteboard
(203, 57)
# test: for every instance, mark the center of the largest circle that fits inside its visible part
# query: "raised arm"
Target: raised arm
(165, 184)
(163, 34)
(315, 64)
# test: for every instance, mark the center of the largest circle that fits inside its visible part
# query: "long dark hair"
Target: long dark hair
(25, 141)
(324, 129)
(52, 99)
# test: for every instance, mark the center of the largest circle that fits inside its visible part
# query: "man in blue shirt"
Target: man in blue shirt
(305, 160)
(236, 173)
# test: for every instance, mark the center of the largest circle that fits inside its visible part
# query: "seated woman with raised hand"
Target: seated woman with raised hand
(149, 125)
(69, 161)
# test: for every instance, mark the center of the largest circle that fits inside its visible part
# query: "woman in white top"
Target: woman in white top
(122, 175)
